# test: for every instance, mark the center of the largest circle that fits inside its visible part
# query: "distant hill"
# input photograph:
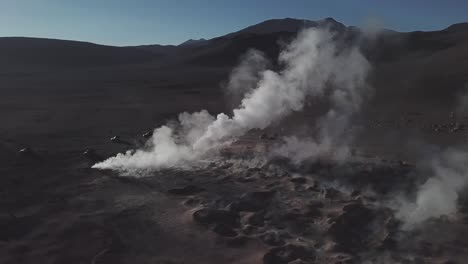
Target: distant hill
(267, 29)
(20, 53)
(287, 25)
(193, 42)
(156, 48)
(460, 27)
(404, 64)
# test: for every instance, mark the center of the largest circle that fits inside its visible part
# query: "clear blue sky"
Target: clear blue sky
(132, 22)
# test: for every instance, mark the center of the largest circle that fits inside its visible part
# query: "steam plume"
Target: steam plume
(335, 132)
(313, 67)
(244, 78)
(439, 195)
(447, 177)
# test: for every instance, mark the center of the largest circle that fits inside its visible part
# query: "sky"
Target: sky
(136, 22)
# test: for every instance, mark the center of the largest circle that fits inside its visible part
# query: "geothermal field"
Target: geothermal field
(290, 141)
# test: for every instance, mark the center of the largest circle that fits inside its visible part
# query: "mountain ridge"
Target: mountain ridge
(23, 53)
(265, 27)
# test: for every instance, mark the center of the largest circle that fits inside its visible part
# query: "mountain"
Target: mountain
(420, 58)
(156, 48)
(226, 50)
(460, 27)
(22, 54)
(268, 29)
(193, 42)
(287, 25)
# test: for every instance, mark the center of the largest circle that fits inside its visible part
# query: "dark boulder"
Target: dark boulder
(287, 253)
(27, 151)
(313, 209)
(147, 134)
(208, 216)
(272, 238)
(192, 201)
(92, 155)
(115, 139)
(224, 230)
(298, 179)
(331, 193)
(298, 261)
(353, 230)
(256, 219)
(237, 241)
(252, 202)
(186, 190)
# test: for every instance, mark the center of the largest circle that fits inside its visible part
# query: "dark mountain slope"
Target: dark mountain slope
(420, 67)
(404, 64)
(22, 54)
(287, 25)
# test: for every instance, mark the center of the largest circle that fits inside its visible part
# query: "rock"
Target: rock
(246, 179)
(224, 230)
(252, 202)
(223, 179)
(450, 262)
(353, 207)
(147, 134)
(220, 202)
(300, 187)
(352, 231)
(315, 204)
(314, 209)
(192, 201)
(296, 221)
(298, 179)
(389, 243)
(403, 163)
(272, 238)
(250, 229)
(115, 139)
(91, 154)
(370, 198)
(347, 261)
(313, 189)
(287, 253)
(187, 190)
(12, 227)
(237, 241)
(298, 261)
(265, 136)
(271, 185)
(331, 193)
(27, 151)
(256, 219)
(253, 170)
(291, 215)
(208, 216)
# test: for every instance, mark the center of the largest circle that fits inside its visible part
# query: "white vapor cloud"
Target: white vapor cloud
(446, 174)
(438, 196)
(313, 66)
(244, 78)
(346, 88)
(166, 148)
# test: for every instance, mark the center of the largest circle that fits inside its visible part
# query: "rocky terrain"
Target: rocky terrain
(234, 211)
